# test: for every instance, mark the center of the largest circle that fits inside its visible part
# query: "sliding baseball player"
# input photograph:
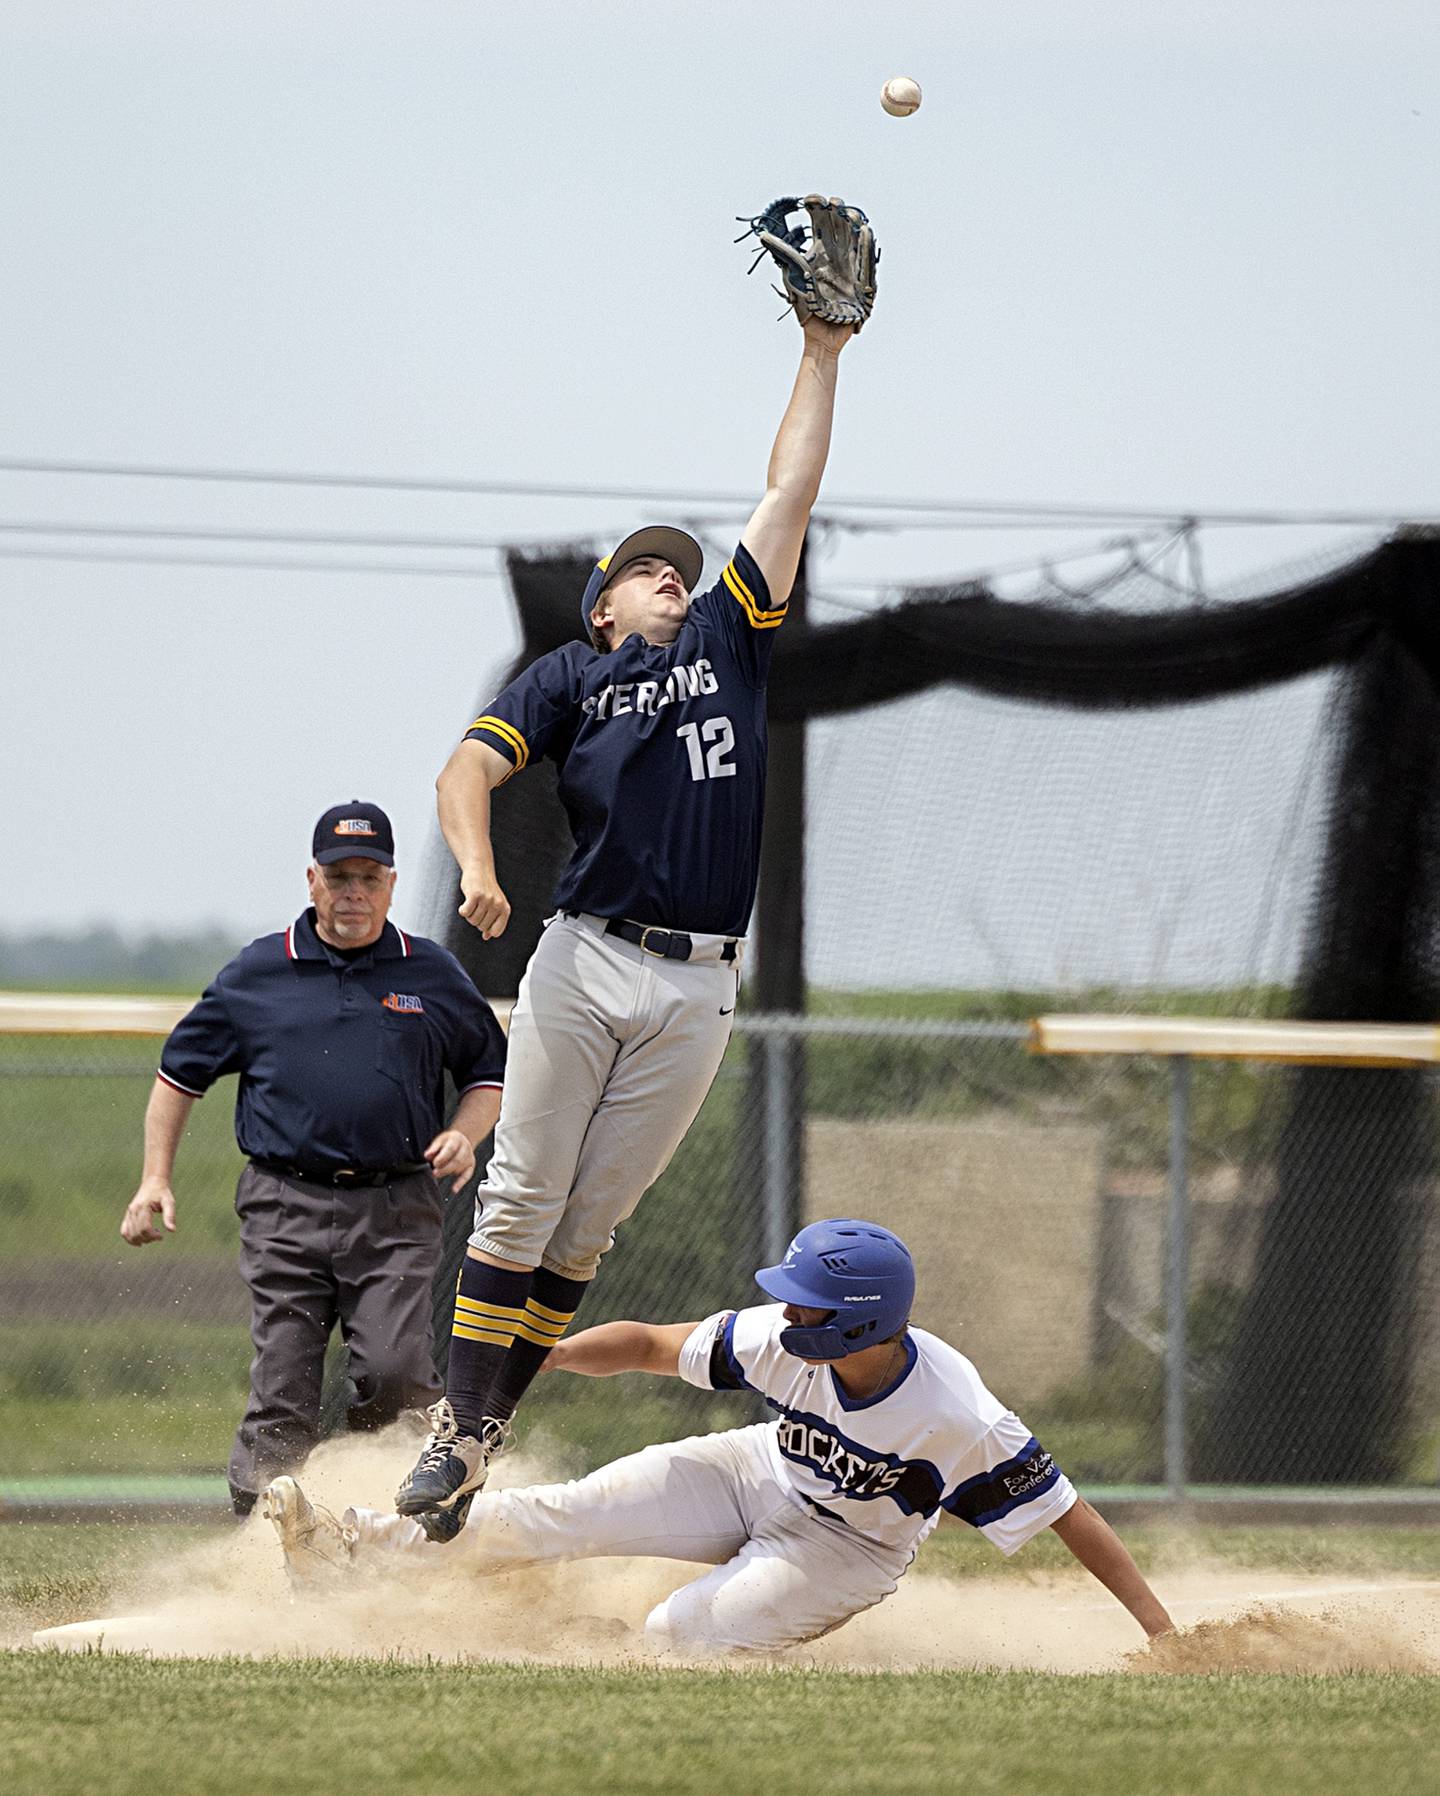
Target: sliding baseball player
(803, 1521)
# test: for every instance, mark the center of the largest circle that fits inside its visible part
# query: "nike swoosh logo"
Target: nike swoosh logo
(729, 1012)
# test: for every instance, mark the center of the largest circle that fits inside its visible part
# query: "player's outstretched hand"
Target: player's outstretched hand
(483, 905)
(152, 1199)
(451, 1156)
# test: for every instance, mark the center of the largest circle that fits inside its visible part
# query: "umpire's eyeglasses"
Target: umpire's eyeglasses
(365, 882)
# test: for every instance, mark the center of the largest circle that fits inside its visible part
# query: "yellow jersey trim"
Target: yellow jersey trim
(506, 733)
(741, 593)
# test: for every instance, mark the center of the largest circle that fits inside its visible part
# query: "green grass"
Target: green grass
(73, 1437)
(51, 1574)
(73, 1725)
(73, 1152)
(141, 1395)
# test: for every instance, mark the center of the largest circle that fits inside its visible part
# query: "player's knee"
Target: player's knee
(683, 1626)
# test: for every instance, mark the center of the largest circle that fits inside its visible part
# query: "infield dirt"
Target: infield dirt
(231, 1596)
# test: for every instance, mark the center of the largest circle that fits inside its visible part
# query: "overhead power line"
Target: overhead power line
(268, 564)
(218, 534)
(515, 489)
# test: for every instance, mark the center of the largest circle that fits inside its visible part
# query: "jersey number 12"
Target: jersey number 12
(709, 763)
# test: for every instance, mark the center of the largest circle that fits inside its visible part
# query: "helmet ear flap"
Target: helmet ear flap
(823, 1340)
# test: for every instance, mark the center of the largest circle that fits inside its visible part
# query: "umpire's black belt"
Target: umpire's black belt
(668, 944)
(342, 1176)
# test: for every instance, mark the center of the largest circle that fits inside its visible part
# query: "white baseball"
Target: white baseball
(900, 96)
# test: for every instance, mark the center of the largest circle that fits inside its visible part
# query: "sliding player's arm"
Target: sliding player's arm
(1103, 1554)
(623, 1347)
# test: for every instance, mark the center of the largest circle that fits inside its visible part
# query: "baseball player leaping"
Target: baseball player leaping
(806, 1520)
(657, 725)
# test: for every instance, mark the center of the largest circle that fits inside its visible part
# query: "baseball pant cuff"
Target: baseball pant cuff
(502, 1250)
(581, 1274)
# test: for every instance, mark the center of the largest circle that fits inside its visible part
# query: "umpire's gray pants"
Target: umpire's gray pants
(313, 1256)
(611, 1053)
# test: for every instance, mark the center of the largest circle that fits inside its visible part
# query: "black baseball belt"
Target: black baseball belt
(667, 944)
(342, 1177)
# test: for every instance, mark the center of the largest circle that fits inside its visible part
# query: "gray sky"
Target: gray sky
(1131, 256)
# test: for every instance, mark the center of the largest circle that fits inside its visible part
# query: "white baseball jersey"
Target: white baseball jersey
(887, 1465)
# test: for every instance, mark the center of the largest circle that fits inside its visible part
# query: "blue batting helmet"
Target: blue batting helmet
(675, 546)
(858, 1271)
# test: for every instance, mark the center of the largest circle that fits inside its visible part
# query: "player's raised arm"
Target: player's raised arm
(623, 1347)
(797, 462)
(463, 800)
(1104, 1555)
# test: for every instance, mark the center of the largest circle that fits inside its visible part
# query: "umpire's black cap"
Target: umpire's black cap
(353, 829)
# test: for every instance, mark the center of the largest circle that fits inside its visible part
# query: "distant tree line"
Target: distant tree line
(106, 959)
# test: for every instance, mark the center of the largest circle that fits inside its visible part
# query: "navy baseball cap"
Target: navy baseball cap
(681, 550)
(354, 829)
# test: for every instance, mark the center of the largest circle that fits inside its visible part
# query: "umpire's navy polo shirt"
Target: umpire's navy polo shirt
(341, 1059)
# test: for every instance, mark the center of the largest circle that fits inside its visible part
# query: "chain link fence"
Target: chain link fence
(1034, 1192)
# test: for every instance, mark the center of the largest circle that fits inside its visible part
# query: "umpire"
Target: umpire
(341, 1028)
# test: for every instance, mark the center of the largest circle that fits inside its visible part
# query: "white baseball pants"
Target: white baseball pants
(783, 1575)
(611, 1053)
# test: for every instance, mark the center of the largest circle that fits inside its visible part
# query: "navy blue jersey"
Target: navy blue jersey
(341, 1060)
(661, 752)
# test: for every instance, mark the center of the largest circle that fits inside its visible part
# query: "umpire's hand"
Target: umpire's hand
(451, 1156)
(154, 1197)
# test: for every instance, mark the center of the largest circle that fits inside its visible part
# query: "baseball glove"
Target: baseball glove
(828, 267)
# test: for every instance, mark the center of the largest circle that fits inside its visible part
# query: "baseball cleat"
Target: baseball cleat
(451, 1465)
(444, 1525)
(317, 1548)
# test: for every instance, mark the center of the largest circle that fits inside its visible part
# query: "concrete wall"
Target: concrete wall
(1004, 1222)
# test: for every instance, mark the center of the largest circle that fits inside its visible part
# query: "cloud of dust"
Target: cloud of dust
(231, 1595)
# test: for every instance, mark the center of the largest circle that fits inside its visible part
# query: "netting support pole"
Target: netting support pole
(779, 1219)
(1177, 1278)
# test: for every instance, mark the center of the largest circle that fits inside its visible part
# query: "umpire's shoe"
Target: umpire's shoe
(451, 1468)
(317, 1548)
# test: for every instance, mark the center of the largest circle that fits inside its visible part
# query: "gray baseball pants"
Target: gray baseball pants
(314, 1255)
(611, 1053)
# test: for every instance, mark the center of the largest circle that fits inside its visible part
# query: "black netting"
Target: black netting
(1224, 807)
